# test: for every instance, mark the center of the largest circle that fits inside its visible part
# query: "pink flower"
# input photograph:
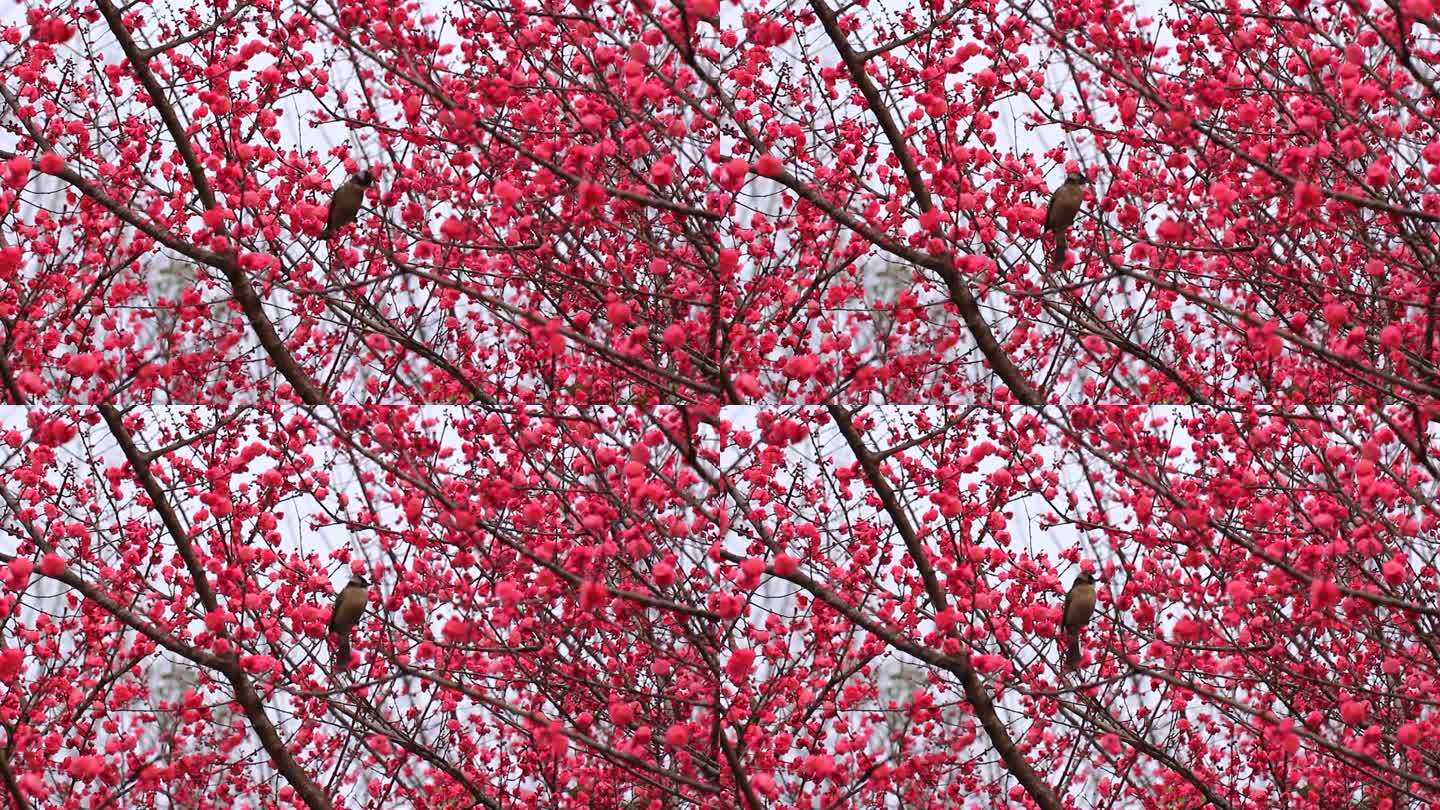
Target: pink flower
(747, 385)
(455, 630)
(785, 565)
(217, 620)
(930, 220)
(1324, 594)
(17, 171)
(1307, 196)
(85, 768)
(593, 596)
(801, 366)
(1408, 734)
(52, 30)
(819, 766)
(741, 663)
(622, 714)
(507, 192)
(216, 217)
(986, 662)
(52, 565)
(453, 229)
(674, 336)
(508, 593)
(11, 660)
(51, 163)
(83, 365)
(591, 195)
(1354, 712)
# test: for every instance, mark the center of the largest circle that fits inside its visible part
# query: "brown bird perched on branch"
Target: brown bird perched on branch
(1064, 205)
(1079, 606)
(349, 607)
(345, 204)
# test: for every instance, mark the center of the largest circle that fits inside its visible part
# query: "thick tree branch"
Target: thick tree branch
(140, 463)
(245, 694)
(975, 691)
(228, 264)
(960, 294)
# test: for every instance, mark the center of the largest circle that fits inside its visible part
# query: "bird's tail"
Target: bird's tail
(1072, 649)
(342, 653)
(1057, 256)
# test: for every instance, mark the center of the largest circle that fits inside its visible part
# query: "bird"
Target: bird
(1079, 605)
(1064, 205)
(350, 605)
(345, 204)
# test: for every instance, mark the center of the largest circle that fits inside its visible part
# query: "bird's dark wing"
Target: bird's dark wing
(342, 610)
(1050, 212)
(1065, 611)
(337, 209)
